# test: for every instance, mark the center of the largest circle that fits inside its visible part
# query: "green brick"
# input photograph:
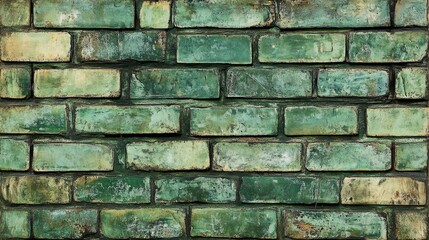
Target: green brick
(234, 223)
(36, 189)
(224, 13)
(257, 157)
(73, 82)
(168, 156)
(195, 189)
(14, 155)
(335, 225)
(14, 224)
(232, 49)
(35, 46)
(14, 13)
(397, 121)
(411, 83)
(155, 14)
(411, 225)
(338, 156)
(15, 82)
(301, 190)
(120, 46)
(233, 121)
(411, 13)
(175, 83)
(84, 14)
(22, 119)
(145, 223)
(335, 14)
(302, 48)
(268, 83)
(352, 82)
(63, 157)
(383, 191)
(321, 120)
(64, 223)
(135, 119)
(388, 47)
(112, 189)
(411, 156)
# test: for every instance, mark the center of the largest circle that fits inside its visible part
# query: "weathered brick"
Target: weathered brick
(268, 83)
(400, 46)
(174, 83)
(257, 157)
(352, 82)
(32, 189)
(64, 223)
(195, 189)
(411, 13)
(119, 46)
(224, 13)
(224, 222)
(411, 225)
(155, 14)
(21, 119)
(305, 190)
(14, 223)
(335, 225)
(341, 156)
(238, 121)
(143, 223)
(321, 120)
(335, 14)
(232, 49)
(14, 155)
(14, 13)
(302, 47)
(15, 82)
(168, 156)
(411, 156)
(383, 191)
(84, 14)
(73, 82)
(411, 83)
(112, 189)
(135, 119)
(35, 46)
(397, 121)
(62, 157)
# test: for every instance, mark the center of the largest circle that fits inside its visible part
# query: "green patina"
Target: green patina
(14, 224)
(14, 155)
(411, 13)
(155, 14)
(411, 83)
(411, 156)
(15, 13)
(15, 82)
(411, 225)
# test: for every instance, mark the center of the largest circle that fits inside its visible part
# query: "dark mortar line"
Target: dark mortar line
(392, 13)
(188, 222)
(303, 158)
(152, 189)
(392, 83)
(280, 217)
(137, 3)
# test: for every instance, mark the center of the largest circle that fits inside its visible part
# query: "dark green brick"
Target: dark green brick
(232, 49)
(175, 83)
(24, 119)
(136, 119)
(234, 222)
(112, 189)
(411, 13)
(233, 121)
(268, 83)
(411, 156)
(302, 190)
(411, 83)
(352, 82)
(342, 156)
(64, 223)
(224, 13)
(14, 224)
(83, 14)
(15, 13)
(302, 48)
(15, 82)
(120, 46)
(387, 47)
(335, 225)
(195, 189)
(145, 223)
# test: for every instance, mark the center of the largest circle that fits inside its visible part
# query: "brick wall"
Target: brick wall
(274, 119)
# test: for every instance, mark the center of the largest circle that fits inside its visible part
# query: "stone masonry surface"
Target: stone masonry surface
(214, 119)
